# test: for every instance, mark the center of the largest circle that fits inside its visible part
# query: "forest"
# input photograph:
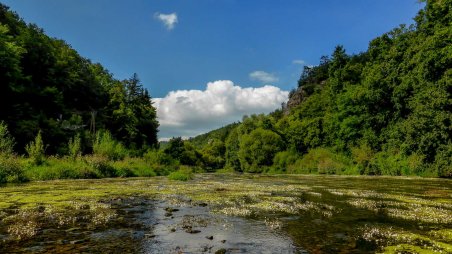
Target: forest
(385, 111)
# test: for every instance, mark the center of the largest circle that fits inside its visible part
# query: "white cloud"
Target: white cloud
(299, 61)
(192, 112)
(169, 20)
(263, 76)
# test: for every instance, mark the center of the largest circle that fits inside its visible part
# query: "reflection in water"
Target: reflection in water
(192, 229)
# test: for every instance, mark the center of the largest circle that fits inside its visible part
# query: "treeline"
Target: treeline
(386, 111)
(46, 87)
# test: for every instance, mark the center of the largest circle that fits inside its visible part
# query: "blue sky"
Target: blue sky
(249, 42)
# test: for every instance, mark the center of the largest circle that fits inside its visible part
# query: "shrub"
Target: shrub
(390, 163)
(11, 170)
(61, 168)
(258, 148)
(6, 140)
(106, 146)
(158, 157)
(101, 165)
(75, 147)
(322, 161)
(35, 150)
(161, 162)
(133, 167)
(183, 174)
(283, 159)
(443, 161)
(362, 155)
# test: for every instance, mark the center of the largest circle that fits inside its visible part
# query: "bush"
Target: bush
(11, 170)
(394, 163)
(183, 174)
(35, 150)
(106, 146)
(161, 162)
(257, 149)
(362, 156)
(283, 159)
(443, 161)
(75, 147)
(133, 167)
(101, 165)
(6, 140)
(60, 168)
(322, 161)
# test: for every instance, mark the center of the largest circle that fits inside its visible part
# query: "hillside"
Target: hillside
(47, 86)
(387, 110)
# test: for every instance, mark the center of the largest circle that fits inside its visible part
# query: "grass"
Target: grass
(183, 174)
(88, 167)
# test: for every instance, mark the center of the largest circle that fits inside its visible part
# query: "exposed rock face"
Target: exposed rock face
(297, 96)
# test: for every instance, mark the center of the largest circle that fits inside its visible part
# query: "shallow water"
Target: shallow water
(193, 229)
(230, 214)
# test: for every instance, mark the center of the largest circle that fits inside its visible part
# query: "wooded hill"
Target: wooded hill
(384, 111)
(46, 86)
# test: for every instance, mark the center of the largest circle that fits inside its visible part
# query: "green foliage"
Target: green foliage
(104, 145)
(11, 169)
(283, 160)
(362, 156)
(60, 168)
(321, 161)
(101, 165)
(133, 116)
(190, 155)
(6, 140)
(220, 134)
(44, 81)
(91, 166)
(175, 148)
(36, 150)
(133, 167)
(443, 161)
(258, 148)
(183, 151)
(75, 147)
(232, 146)
(183, 174)
(213, 154)
(391, 163)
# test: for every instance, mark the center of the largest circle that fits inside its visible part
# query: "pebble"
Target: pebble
(78, 241)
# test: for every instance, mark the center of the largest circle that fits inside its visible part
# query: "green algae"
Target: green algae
(319, 213)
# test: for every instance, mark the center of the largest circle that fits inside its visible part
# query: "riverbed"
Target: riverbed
(228, 213)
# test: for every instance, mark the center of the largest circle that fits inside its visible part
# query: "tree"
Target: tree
(258, 148)
(134, 118)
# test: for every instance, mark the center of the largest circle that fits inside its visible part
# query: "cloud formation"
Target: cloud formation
(299, 61)
(263, 77)
(192, 112)
(169, 20)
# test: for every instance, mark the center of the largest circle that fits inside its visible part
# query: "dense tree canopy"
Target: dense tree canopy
(388, 110)
(46, 85)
